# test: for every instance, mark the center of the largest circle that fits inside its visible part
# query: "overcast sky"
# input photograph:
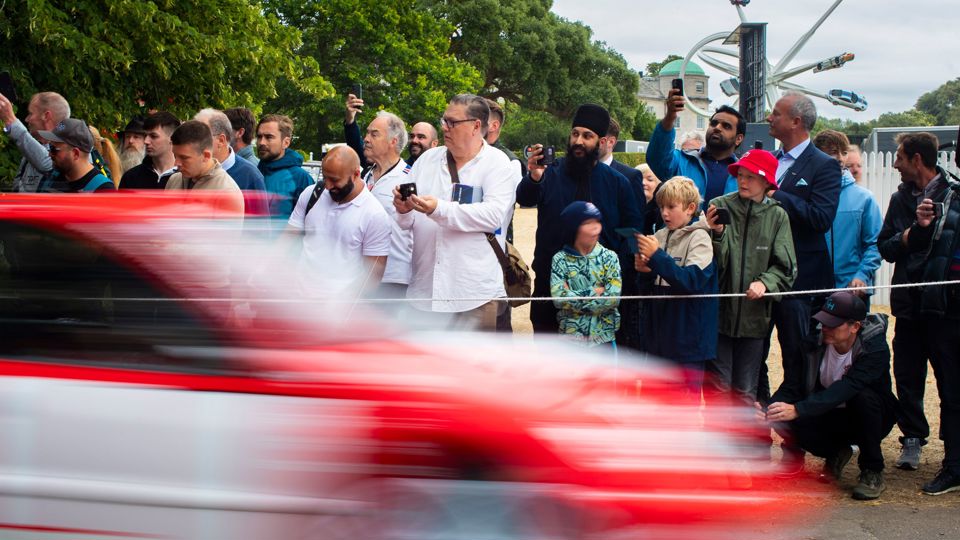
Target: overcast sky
(903, 48)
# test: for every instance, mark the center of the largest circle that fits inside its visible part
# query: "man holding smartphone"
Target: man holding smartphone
(927, 318)
(706, 166)
(46, 110)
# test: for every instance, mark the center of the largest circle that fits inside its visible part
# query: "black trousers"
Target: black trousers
(943, 338)
(792, 318)
(911, 351)
(732, 375)
(864, 421)
(543, 315)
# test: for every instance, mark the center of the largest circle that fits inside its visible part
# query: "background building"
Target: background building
(653, 92)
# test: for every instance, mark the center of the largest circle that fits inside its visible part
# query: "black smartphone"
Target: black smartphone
(723, 216)
(677, 84)
(548, 157)
(758, 145)
(406, 190)
(7, 88)
(937, 211)
(357, 90)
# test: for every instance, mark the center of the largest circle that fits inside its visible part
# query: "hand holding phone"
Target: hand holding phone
(406, 190)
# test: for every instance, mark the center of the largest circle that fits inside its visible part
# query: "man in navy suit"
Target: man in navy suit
(630, 310)
(809, 191)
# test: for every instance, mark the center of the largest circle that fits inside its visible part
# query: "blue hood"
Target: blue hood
(290, 158)
(573, 216)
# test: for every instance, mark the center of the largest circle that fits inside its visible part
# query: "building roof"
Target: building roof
(673, 68)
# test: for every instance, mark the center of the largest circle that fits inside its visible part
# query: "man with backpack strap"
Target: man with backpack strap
(70, 147)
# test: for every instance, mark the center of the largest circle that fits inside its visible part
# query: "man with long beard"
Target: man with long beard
(133, 138)
(578, 176)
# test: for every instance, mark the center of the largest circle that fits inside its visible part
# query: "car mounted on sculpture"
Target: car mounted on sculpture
(161, 377)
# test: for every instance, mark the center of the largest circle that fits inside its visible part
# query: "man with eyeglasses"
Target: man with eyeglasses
(69, 148)
(464, 190)
(45, 111)
(706, 166)
(578, 176)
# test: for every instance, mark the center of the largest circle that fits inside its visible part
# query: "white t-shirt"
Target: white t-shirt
(834, 365)
(401, 241)
(336, 238)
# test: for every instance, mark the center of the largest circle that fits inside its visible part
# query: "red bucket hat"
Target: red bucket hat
(758, 162)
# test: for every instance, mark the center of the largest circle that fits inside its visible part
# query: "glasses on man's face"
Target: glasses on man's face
(53, 149)
(450, 123)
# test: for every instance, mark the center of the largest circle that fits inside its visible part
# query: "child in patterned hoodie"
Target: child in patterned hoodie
(584, 268)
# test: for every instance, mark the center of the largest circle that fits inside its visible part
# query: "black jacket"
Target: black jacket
(810, 192)
(938, 242)
(908, 261)
(870, 369)
(144, 177)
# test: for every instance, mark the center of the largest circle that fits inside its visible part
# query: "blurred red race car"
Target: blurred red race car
(160, 377)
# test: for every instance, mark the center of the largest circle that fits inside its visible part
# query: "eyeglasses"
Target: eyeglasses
(450, 124)
(53, 149)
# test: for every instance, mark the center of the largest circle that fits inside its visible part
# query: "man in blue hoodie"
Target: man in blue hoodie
(852, 240)
(707, 167)
(282, 170)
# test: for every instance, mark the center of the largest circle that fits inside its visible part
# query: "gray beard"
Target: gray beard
(130, 158)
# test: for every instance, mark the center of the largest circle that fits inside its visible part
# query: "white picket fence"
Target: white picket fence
(882, 180)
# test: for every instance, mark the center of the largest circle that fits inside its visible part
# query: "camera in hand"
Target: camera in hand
(937, 211)
(723, 216)
(547, 157)
(406, 190)
(677, 84)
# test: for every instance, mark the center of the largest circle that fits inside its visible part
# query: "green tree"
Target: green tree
(530, 56)
(644, 123)
(524, 127)
(943, 104)
(653, 68)
(112, 59)
(908, 118)
(397, 51)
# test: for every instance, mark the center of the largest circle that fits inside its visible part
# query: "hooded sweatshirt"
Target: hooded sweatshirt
(286, 179)
(573, 274)
(854, 247)
(757, 245)
(681, 330)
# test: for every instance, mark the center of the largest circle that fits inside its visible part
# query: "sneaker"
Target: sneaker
(909, 459)
(833, 466)
(792, 463)
(945, 482)
(869, 486)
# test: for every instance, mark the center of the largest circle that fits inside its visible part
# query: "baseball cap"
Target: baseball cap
(73, 132)
(841, 307)
(758, 162)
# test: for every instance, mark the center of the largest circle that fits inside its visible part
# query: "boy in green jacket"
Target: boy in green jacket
(755, 255)
(584, 268)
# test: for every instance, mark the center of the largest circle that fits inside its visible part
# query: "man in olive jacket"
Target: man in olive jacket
(845, 394)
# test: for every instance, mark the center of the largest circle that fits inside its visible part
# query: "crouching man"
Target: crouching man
(845, 396)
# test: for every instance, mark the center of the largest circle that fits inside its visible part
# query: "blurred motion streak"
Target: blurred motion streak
(160, 377)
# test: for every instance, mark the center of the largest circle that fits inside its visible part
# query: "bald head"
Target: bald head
(341, 174)
(342, 156)
(423, 136)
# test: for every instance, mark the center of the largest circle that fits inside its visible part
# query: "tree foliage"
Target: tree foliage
(653, 68)
(943, 104)
(398, 52)
(530, 56)
(112, 59)
(523, 127)
(644, 123)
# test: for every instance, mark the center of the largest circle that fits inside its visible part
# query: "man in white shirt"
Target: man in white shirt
(345, 235)
(386, 138)
(455, 271)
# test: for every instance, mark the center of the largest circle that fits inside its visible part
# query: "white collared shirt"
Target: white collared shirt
(787, 159)
(607, 160)
(451, 255)
(230, 161)
(336, 238)
(401, 241)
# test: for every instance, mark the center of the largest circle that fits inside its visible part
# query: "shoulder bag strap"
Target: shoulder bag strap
(491, 238)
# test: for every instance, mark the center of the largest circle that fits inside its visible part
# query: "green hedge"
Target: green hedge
(627, 158)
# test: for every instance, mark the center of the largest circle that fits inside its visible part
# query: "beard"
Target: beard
(130, 158)
(415, 149)
(716, 144)
(579, 168)
(339, 194)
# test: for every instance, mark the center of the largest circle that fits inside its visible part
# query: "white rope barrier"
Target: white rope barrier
(812, 292)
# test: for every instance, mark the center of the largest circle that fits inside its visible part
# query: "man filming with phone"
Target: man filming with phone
(706, 166)
(578, 176)
(46, 110)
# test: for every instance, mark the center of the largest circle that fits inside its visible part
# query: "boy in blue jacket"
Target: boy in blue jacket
(678, 260)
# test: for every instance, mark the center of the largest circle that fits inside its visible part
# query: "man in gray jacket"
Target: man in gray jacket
(46, 110)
